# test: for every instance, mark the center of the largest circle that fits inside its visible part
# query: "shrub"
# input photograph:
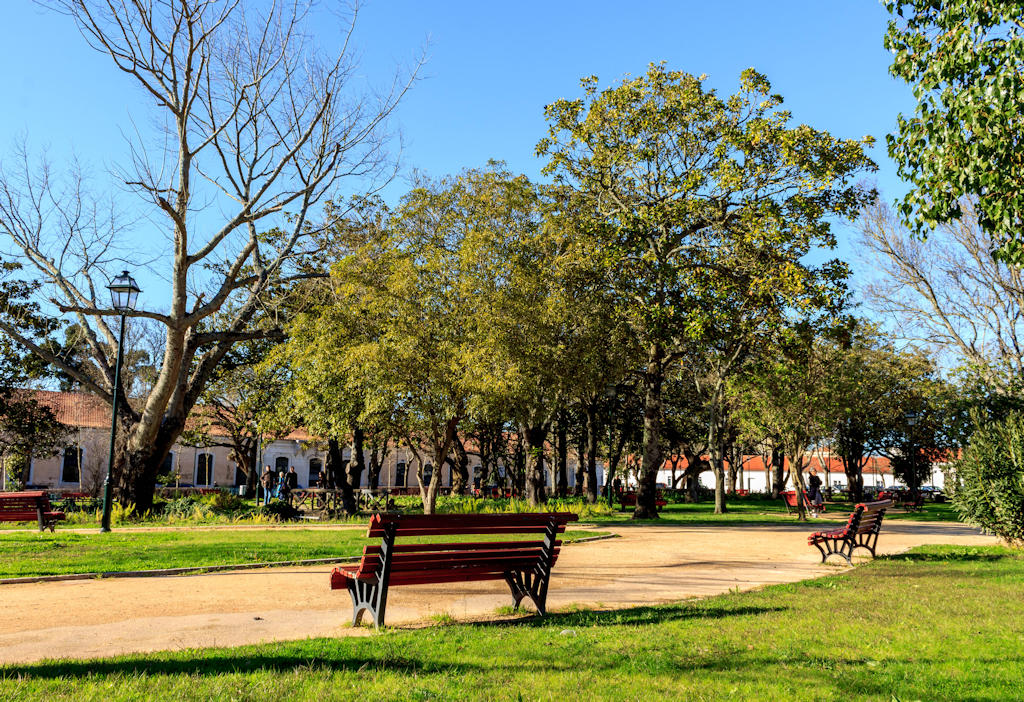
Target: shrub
(187, 507)
(278, 510)
(223, 501)
(989, 485)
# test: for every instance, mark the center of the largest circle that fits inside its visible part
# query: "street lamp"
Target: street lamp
(124, 292)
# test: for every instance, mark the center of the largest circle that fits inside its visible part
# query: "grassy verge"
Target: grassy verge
(940, 623)
(26, 553)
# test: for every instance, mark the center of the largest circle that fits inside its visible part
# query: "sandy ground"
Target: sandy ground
(90, 618)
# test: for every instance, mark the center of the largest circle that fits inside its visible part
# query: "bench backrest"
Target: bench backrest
(462, 560)
(867, 516)
(23, 506)
(790, 497)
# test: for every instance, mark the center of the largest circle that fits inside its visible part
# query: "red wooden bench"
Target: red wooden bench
(524, 564)
(628, 499)
(861, 531)
(27, 507)
(789, 499)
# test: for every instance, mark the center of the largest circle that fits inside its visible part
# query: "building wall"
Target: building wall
(279, 454)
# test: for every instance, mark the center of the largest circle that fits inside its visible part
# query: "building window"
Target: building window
(281, 463)
(167, 467)
(400, 474)
(71, 465)
(428, 473)
(204, 469)
(315, 468)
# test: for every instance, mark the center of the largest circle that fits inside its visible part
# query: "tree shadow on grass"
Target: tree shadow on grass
(634, 616)
(954, 555)
(229, 662)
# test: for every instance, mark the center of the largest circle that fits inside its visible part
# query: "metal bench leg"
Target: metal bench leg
(518, 588)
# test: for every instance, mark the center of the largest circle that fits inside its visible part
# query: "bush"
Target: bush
(281, 511)
(224, 501)
(186, 507)
(989, 485)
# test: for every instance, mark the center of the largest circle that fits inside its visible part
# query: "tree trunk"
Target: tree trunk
(778, 471)
(581, 460)
(590, 477)
(646, 507)
(853, 466)
(357, 463)
(253, 476)
(719, 470)
(561, 457)
(335, 466)
(796, 463)
(535, 437)
(460, 469)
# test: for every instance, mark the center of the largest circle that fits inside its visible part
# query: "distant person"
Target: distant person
(293, 478)
(267, 483)
(814, 490)
(282, 486)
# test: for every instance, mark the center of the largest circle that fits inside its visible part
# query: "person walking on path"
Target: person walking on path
(814, 491)
(267, 483)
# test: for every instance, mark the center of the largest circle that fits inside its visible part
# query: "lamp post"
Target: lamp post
(124, 291)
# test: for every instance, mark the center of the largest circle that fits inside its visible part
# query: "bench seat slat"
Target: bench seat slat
(456, 546)
(462, 530)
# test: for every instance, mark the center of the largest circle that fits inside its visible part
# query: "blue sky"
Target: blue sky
(491, 69)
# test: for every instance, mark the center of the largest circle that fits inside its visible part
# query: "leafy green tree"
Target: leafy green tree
(989, 479)
(704, 209)
(783, 395)
(965, 61)
(27, 427)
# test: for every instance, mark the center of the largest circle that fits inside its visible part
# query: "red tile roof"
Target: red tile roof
(84, 410)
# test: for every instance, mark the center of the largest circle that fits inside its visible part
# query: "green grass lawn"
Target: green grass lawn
(940, 623)
(28, 553)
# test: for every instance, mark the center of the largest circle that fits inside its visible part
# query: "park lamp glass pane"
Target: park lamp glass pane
(124, 291)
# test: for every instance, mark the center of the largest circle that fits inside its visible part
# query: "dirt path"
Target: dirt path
(80, 619)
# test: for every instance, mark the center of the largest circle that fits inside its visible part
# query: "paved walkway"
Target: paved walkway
(648, 564)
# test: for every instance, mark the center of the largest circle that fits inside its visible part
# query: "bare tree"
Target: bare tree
(259, 129)
(948, 292)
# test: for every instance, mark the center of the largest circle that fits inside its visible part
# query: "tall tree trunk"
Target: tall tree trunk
(460, 469)
(716, 455)
(581, 459)
(535, 437)
(654, 376)
(561, 457)
(253, 476)
(335, 465)
(590, 477)
(778, 471)
(796, 463)
(357, 464)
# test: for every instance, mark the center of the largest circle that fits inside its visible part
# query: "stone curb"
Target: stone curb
(199, 570)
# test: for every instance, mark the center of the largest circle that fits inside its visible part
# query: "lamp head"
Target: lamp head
(124, 292)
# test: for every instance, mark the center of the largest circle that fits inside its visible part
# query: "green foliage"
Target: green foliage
(278, 511)
(187, 507)
(990, 479)
(223, 501)
(965, 61)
